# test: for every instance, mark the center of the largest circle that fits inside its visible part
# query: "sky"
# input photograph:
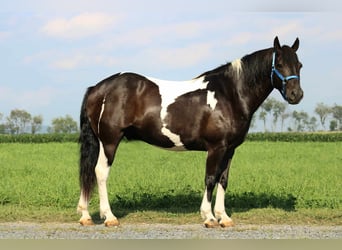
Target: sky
(51, 51)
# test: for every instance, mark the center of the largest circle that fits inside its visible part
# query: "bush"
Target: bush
(296, 137)
(285, 137)
(39, 138)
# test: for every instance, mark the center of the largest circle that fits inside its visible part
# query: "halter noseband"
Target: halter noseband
(281, 77)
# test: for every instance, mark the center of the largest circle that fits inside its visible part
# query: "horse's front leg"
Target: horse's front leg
(206, 212)
(213, 159)
(219, 209)
(220, 212)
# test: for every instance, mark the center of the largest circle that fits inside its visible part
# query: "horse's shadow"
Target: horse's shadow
(190, 201)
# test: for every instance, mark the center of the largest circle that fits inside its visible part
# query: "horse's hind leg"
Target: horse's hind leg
(102, 170)
(83, 209)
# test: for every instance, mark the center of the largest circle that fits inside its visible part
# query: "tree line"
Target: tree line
(20, 121)
(275, 116)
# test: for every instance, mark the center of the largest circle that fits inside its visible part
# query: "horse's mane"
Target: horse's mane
(217, 70)
(256, 63)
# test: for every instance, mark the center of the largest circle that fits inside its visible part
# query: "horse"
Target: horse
(212, 112)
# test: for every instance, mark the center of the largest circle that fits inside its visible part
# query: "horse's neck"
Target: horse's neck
(256, 79)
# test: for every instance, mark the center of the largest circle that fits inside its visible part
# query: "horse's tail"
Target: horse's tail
(89, 151)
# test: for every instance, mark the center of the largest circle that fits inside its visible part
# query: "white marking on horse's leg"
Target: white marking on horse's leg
(211, 100)
(102, 171)
(206, 211)
(83, 209)
(219, 209)
(101, 112)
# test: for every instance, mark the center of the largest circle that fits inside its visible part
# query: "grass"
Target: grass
(270, 182)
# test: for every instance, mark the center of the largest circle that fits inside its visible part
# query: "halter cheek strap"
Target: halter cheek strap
(281, 77)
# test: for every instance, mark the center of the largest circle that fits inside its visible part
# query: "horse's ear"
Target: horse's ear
(295, 45)
(276, 44)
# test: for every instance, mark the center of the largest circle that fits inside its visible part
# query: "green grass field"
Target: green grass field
(270, 182)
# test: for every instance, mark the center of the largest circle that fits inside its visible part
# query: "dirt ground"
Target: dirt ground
(25, 230)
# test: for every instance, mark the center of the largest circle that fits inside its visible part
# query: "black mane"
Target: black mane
(252, 68)
(218, 70)
(250, 61)
(257, 66)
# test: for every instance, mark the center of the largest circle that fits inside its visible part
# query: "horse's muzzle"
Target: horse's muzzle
(295, 96)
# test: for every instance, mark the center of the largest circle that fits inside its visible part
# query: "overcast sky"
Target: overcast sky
(51, 51)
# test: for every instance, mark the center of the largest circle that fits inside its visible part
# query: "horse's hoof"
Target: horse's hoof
(86, 222)
(226, 223)
(211, 223)
(112, 223)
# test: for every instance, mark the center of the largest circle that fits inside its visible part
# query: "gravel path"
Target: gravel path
(23, 230)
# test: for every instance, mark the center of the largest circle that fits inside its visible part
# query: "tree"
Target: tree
(322, 111)
(262, 116)
(279, 109)
(2, 126)
(333, 125)
(337, 114)
(276, 109)
(36, 123)
(301, 120)
(312, 124)
(266, 108)
(252, 125)
(17, 121)
(283, 117)
(64, 125)
(268, 104)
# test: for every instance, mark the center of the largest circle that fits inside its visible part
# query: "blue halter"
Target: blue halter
(281, 77)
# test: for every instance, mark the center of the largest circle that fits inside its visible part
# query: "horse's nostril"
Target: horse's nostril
(301, 94)
(297, 93)
(295, 96)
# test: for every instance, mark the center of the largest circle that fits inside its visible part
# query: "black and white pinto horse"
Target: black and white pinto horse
(211, 112)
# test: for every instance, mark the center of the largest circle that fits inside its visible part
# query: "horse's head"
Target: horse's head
(286, 70)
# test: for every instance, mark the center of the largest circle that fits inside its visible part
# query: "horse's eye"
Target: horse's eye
(279, 65)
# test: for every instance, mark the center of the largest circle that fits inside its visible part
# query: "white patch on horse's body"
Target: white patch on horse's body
(101, 113)
(172, 136)
(169, 91)
(237, 66)
(211, 100)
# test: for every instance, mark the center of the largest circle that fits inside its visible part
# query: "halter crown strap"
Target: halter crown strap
(281, 77)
